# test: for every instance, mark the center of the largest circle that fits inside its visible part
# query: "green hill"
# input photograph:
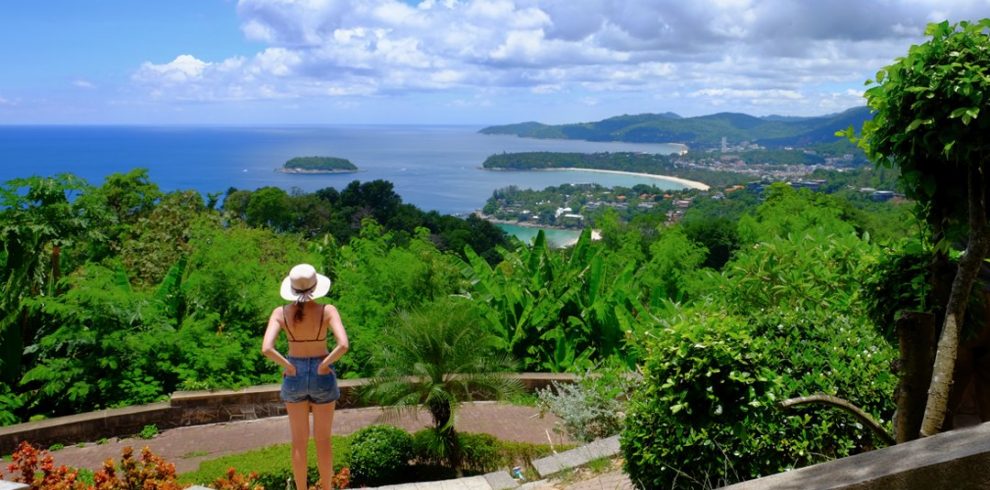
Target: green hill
(702, 131)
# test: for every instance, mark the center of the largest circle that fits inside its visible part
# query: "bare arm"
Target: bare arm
(268, 344)
(337, 326)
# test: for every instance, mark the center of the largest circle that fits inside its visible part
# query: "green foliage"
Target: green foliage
(375, 281)
(706, 414)
(674, 261)
(482, 453)
(927, 108)
(699, 417)
(103, 345)
(437, 358)
(42, 232)
(379, 454)
(593, 406)
(558, 309)
(799, 254)
(157, 242)
(148, 432)
(899, 282)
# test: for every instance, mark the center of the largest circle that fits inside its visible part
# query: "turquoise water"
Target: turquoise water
(555, 237)
(433, 167)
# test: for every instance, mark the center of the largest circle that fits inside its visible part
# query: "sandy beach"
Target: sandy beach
(685, 182)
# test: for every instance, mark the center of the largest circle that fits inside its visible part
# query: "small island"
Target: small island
(317, 165)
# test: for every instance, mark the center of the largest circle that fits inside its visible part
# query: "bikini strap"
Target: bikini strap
(288, 332)
(323, 311)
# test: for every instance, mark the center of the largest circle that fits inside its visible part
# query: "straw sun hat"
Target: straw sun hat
(304, 284)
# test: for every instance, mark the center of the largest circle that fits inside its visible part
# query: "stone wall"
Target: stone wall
(189, 408)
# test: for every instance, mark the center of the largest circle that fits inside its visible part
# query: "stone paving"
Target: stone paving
(186, 447)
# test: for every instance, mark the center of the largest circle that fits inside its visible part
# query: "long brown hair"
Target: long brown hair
(300, 311)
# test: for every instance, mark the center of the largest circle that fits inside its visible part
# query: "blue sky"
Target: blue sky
(444, 61)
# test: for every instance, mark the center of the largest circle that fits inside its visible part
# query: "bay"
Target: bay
(555, 237)
(433, 167)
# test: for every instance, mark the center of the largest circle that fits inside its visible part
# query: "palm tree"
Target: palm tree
(436, 358)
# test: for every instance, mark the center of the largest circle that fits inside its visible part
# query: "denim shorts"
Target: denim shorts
(307, 385)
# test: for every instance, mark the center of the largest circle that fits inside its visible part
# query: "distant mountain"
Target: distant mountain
(702, 131)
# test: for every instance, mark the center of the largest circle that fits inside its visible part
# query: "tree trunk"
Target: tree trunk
(955, 312)
(915, 335)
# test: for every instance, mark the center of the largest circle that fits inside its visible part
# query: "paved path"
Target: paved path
(188, 446)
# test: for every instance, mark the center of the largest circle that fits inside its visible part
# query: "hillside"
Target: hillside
(702, 131)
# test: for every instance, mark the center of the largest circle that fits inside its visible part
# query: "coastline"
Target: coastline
(693, 184)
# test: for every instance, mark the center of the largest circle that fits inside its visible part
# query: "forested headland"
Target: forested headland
(650, 163)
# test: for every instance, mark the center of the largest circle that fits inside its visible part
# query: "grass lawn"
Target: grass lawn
(276, 460)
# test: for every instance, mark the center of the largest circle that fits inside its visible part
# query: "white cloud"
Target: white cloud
(756, 53)
(83, 84)
(183, 68)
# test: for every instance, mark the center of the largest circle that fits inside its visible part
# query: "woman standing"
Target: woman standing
(309, 382)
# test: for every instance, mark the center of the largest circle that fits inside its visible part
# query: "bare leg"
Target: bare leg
(322, 430)
(299, 425)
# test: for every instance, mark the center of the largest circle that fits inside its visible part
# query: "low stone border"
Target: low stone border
(191, 408)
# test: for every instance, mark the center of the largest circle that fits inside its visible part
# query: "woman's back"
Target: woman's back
(308, 335)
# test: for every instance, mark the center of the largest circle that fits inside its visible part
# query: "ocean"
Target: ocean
(433, 167)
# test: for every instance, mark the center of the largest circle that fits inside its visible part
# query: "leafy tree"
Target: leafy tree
(39, 221)
(437, 358)
(229, 287)
(927, 122)
(376, 281)
(673, 260)
(269, 206)
(105, 345)
(129, 196)
(160, 240)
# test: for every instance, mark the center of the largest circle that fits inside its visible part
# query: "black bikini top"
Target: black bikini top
(318, 330)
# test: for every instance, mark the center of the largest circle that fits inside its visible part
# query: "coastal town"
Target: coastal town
(574, 206)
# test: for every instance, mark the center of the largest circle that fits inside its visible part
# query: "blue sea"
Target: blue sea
(433, 167)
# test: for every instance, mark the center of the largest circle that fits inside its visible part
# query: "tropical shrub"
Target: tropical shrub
(593, 406)
(559, 310)
(705, 413)
(437, 358)
(379, 454)
(700, 416)
(277, 478)
(481, 452)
